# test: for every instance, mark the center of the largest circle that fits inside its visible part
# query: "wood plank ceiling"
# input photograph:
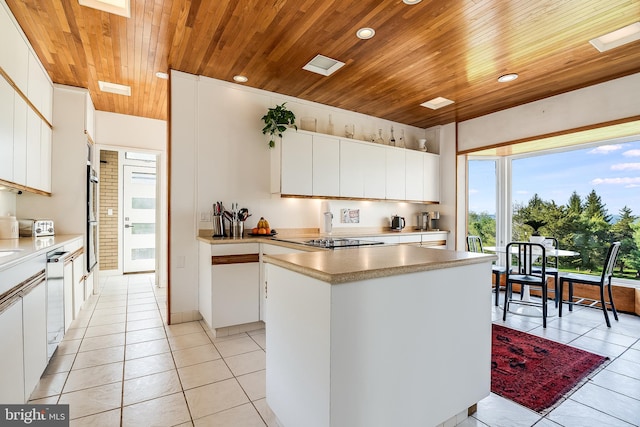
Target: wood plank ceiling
(450, 48)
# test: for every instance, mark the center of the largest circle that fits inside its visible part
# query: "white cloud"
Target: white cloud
(606, 149)
(473, 191)
(631, 153)
(632, 186)
(616, 181)
(625, 166)
(522, 192)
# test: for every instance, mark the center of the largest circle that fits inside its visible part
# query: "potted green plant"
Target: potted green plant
(276, 121)
(536, 224)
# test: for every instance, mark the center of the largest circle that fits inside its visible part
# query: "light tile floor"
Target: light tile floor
(121, 365)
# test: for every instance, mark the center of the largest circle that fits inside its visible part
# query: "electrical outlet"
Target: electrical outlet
(205, 216)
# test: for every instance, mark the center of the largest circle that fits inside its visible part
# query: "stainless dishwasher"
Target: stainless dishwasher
(55, 299)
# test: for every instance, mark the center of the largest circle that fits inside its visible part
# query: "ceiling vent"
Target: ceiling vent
(114, 88)
(323, 65)
(436, 103)
(616, 38)
(117, 7)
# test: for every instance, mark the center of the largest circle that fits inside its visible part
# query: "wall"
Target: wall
(109, 235)
(218, 149)
(612, 100)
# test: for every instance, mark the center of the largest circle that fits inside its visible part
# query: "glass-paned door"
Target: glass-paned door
(482, 200)
(139, 231)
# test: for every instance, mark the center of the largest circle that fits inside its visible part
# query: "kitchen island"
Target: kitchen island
(377, 336)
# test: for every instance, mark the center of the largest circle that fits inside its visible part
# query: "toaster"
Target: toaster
(36, 227)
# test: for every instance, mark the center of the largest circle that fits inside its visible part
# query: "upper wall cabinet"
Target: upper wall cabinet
(40, 90)
(6, 129)
(309, 164)
(14, 51)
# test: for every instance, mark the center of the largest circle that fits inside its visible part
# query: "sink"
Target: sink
(7, 252)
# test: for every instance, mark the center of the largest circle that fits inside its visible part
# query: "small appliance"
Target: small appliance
(423, 221)
(433, 221)
(397, 223)
(36, 227)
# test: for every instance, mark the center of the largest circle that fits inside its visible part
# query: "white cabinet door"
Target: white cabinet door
(34, 318)
(14, 52)
(395, 175)
(90, 117)
(11, 353)
(374, 165)
(351, 169)
(20, 141)
(431, 177)
(68, 294)
(6, 127)
(235, 284)
(34, 139)
(326, 166)
(267, 249)
(296, 169)
(45, 158)
(414, 177)
(78, 284)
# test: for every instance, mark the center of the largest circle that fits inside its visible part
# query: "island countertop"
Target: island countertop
(355, 264)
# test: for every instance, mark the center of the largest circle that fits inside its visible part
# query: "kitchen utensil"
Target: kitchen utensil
(397, 223)
(237, 229)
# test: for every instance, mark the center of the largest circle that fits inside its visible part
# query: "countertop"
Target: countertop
(356, 264)
(27, 247)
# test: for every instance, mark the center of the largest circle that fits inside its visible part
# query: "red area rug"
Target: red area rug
(534, 371)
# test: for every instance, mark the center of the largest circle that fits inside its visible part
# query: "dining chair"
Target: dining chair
(551, 263)
(474, 244)
(602, 281)
(525, 270)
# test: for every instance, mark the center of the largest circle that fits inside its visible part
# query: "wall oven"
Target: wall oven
(92, 218)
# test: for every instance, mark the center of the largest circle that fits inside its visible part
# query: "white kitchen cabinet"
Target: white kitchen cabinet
(39, 88)
(229, 284)
(6, 129)
(78, 283)
(292, 165)
(352, 168)
(395, 188)
(14, 51)
(12, 354)
(414, 176)
(431, 177)
(20, 109)
(34, 320)
(34, 141)
(326, 166)
(45, 158)
(89, 117)
(267, 249)
(374, 164)
(68, 293)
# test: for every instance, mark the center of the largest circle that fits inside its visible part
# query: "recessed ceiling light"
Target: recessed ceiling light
(507, 77)
(240, 79)
(436, 103)
(616, 38)
(118, 7)
(365, 33)
(323, 65)
(411, 1)
(161, 75)
(114, 88)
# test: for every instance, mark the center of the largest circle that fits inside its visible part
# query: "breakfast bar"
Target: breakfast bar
(377, 336)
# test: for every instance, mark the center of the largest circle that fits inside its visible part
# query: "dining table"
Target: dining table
(527, 310)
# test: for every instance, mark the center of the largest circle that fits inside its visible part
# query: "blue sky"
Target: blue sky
(612, 170)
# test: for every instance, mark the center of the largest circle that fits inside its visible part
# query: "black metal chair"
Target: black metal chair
(525, 270)
(602, 281)
(551, 263)
(474, 244)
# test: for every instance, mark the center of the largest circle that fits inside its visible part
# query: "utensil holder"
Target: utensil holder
(237, 229)
(218, 226)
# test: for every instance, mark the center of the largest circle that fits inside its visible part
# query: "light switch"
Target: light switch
(109, 211)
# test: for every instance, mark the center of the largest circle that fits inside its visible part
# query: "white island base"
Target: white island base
(410, 349)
